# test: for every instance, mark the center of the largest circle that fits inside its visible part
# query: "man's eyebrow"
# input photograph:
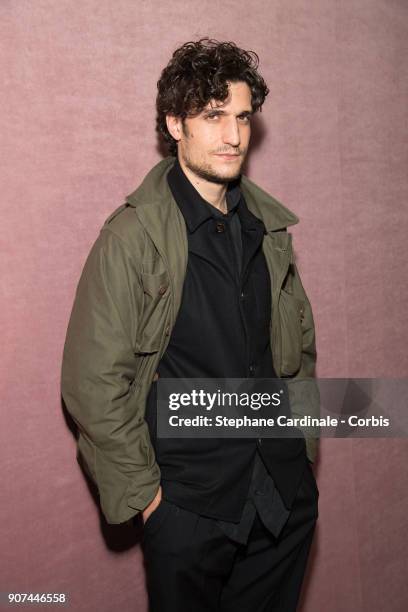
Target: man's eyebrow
(216, 111)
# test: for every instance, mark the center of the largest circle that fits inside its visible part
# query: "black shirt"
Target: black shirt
(221, 331)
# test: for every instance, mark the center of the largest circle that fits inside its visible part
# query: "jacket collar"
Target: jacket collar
(155, 193)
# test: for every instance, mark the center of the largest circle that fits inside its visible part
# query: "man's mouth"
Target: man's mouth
(228, 155)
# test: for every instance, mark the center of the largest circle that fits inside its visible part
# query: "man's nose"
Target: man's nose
(231, 133)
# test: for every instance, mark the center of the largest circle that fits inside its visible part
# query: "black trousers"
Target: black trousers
(192, 566)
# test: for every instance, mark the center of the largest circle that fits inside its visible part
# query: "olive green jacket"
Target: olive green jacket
(124, 310)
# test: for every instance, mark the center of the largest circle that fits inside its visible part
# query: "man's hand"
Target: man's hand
(152, 506)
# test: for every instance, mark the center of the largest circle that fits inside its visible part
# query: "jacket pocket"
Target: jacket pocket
(156, 294)
(291, 312)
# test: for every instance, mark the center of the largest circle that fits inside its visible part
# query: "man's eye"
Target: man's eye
(243, 118)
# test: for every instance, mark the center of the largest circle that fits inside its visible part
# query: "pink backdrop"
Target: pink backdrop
(77, 134)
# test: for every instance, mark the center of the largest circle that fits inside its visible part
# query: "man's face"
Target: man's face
(214, 144)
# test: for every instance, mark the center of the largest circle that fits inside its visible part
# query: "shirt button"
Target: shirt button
(251, 369)
(243, 295)
(219, 227)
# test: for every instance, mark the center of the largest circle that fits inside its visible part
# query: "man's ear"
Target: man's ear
(174, 126)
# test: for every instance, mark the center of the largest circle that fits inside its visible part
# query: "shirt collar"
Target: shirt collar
(194, 207)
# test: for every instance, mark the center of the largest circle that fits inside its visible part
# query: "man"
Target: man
(193, 277)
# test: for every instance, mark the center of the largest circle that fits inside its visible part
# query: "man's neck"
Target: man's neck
(213, 193)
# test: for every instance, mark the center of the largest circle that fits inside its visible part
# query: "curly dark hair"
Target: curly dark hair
(197, 73)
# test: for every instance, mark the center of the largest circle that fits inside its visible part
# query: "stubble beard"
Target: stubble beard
(208, 173)
(205, 170)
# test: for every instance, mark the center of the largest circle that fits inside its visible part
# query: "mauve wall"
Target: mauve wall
(77, 135)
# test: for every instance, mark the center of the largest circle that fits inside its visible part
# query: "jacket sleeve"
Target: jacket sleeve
(303, 389)
(99, 380)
